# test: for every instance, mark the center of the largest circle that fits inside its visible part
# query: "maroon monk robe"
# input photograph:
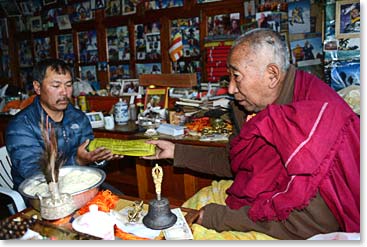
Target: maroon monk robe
(286, 153)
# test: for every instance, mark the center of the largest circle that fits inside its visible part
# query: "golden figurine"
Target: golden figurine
(157, 174)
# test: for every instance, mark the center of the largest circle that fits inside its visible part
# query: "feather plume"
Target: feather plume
(51, 160)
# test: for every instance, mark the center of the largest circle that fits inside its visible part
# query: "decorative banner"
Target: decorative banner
(176, 49)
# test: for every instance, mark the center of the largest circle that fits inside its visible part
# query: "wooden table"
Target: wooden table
(64, 231)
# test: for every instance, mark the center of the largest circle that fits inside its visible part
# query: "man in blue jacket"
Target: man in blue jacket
(53, 85)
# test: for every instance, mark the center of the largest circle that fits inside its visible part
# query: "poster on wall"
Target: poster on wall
(307, 51)
(347, 19)
(344, 74)
(299, 16)
(88, 50)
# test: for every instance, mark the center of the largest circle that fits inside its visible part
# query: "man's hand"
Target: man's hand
(84, 157)
(200, 218)
(164, 150)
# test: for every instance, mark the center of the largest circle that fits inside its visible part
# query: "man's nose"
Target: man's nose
(232, 87)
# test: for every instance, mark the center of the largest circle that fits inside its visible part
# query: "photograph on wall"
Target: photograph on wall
(156, 97)
(113, 7)
(49, 2)
(140, 45)
(88, 50)
(65, 48)
(153, 45)
(347, 19)
(41, 48)
(120, 71)
(115, 88)
(207, 1)
(344, 74)
(148, 68)
(219, 25)
(82, 12)
(162, 4)
(307, 51)
(10, 8)
(131, 87)
(98, 4)
(36, 23)
(25, 53)
(63, 22)
(118, 43)
(49, 17)
(273, 20)
(128, 7)
(299, 17)
(250, 9)
(190, 34)
(89, 74)
(26, 7)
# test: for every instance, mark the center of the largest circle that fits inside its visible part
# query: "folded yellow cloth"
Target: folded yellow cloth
(216, 193)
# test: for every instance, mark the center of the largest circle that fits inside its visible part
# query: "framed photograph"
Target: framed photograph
(41, 48)
(49, 2)
(65, 48)
(26, 7)
(299, 17)
(120, 71)
(347, 19)
(307, 51)
(113, 7)
(36, 23)
(98, 4)
(344, 74)
(156, 97)
(131, 87)
(10, 8)
(250, 10)
(115, 88)
(128, 7)
(63, 22)
(96, 119)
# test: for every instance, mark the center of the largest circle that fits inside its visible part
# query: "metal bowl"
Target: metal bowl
(80, 197)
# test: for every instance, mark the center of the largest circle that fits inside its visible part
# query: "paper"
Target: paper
(180, 230)
(136, 228)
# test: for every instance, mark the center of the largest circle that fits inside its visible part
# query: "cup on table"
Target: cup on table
(109, 122)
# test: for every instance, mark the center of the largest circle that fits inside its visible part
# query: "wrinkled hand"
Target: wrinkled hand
(84, 157)
(200, 218)
(164, 150)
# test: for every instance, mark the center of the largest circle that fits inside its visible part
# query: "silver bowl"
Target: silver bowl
(80, 197)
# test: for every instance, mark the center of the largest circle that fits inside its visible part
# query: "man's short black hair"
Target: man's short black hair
(61, 67)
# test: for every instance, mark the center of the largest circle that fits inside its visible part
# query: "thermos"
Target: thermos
(121, 112)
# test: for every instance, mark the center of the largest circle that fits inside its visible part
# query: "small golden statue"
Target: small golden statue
(157, 174)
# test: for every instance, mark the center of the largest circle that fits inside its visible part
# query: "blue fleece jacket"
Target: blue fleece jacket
(24, 141)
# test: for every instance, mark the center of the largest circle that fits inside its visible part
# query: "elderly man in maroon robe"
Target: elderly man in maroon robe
(295, 163)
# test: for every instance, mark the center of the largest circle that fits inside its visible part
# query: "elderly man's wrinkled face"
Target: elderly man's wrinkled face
(248, 79)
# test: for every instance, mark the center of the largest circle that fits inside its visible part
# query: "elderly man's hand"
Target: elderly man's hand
(164, 150)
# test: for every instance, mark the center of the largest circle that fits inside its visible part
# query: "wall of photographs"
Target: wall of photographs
(115, 40)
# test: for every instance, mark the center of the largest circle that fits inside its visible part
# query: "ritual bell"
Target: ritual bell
(159, 215)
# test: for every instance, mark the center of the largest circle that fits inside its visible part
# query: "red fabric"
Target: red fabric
(286, 153)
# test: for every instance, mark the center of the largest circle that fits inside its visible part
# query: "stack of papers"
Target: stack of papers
(171, 129)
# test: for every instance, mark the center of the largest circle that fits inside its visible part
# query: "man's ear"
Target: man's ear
(37, 87)
(273, 75)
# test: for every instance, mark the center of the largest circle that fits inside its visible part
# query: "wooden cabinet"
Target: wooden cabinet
(100, 23)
